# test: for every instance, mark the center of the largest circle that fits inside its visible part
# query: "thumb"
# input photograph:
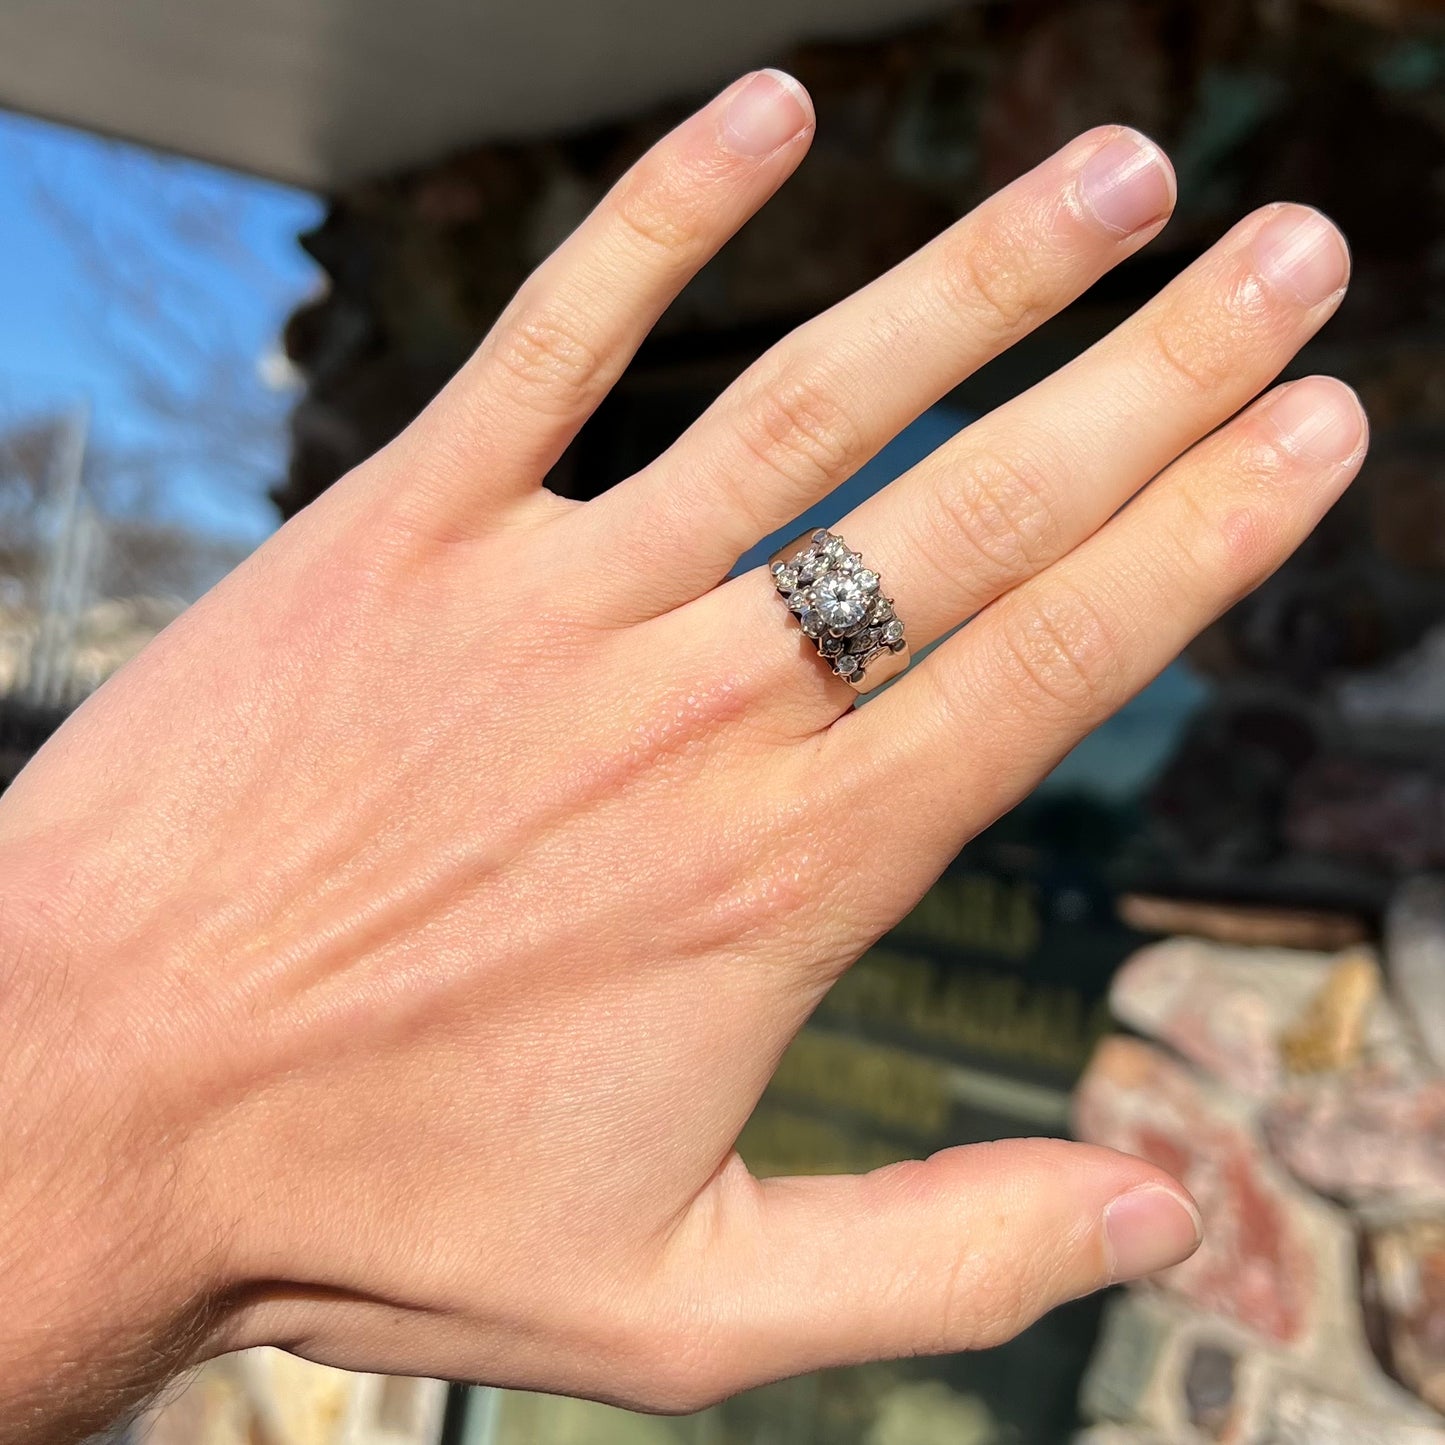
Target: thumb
(955, 1252)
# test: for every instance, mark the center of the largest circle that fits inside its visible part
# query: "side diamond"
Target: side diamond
(811, 566)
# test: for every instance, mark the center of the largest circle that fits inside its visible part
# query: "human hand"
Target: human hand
(395, 950)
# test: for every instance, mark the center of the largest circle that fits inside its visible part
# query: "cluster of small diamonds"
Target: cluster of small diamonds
(838, 604)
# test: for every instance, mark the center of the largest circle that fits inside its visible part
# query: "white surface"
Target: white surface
(320, 91)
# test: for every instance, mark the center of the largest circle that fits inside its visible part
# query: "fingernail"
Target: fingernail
(1303, 255)
(766, 113)
(1318, 418)
(1148, 1229)
(1127, 184)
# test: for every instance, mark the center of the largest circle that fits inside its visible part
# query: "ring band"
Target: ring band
(839, 603)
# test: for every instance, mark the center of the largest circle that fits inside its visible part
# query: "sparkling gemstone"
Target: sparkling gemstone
(811, 565)
(893, 632)
(847, 665)
(867, 580)
(800, 601)
(822, 535)
(881, 610)
(812, 622)
(842, 600)
(786, 578)
(831, 646)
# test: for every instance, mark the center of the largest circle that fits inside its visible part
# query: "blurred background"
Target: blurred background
(243, 243)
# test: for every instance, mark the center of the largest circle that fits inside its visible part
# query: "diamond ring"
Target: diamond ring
(839, 603)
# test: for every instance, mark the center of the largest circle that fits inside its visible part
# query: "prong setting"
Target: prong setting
(840, 604)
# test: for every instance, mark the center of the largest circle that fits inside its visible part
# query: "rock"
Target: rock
(1119, 1435)
(1274, 1259)
(1404, 1289)
(1162, 1366)
(269, 1396)
(1210, 1385)
(1364, 1142)
(1329, 1035)
(1388, 815)
(1243, 925)
(1062, 61)
(1408, 692)
(1244, 1014)
(927, 1412)
(1130, 1377)
(1415, 960)
(1172, 1373)
(1407, 492)
(1219, 803)
(1298, 1413)
(1393, 12)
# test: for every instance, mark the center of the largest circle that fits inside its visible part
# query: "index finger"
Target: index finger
(502, 422)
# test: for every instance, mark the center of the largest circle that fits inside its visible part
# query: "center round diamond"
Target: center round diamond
(841, 601)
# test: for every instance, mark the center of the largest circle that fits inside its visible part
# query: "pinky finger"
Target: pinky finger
(992, 711)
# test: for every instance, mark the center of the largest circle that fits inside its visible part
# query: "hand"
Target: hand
(395, 950)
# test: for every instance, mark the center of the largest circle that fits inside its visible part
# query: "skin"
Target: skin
(392, 953)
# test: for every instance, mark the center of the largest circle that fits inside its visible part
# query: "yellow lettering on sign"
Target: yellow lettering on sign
(970, 1009)
(886, 1085)
(978, 911)
(778, 1140)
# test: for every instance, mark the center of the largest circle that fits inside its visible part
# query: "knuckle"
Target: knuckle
(548, 357)
(982, 1292)
(1221, 539)
(657, 210)
(797, 430)
(738, 900)
(1062, 651)
(1184, 535)
(1202, 349)
(1224, 549)
(941, 694)
(1000, 514)
(1265, 456)
(1192, 359)
(989, 271)
(987, 1300)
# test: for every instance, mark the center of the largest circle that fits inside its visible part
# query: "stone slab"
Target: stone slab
(1415, 960)
(1275, 1258)
(1252, 1017)
(1368, 1143)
